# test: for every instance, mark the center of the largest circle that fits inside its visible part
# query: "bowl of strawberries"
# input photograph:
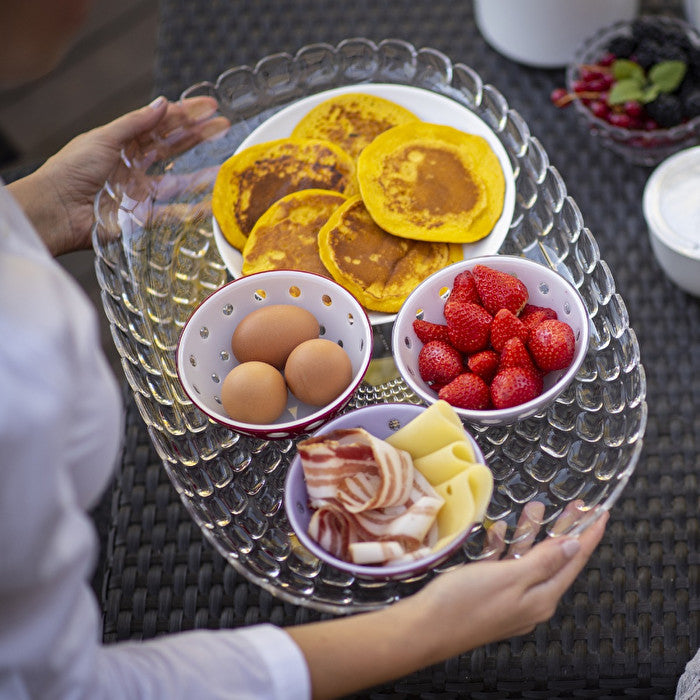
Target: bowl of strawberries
(498, 337)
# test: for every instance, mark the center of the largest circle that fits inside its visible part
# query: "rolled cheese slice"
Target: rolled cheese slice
(444, 463)
(431, 430)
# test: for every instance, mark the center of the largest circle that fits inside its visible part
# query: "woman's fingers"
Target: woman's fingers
(134, 124)
(495, 543)
(184, 138)
(553, 565)
(152, 147)
(527, 529)
(571, 515)
(186, 113)
(588, 540)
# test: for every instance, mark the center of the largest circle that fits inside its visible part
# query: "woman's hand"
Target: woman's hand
(496, 600)
(456, 612)
(59, 197)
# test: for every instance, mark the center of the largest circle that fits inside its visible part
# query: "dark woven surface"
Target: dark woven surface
(630, 622)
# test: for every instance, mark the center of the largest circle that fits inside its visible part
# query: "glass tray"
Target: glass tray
(156, 260)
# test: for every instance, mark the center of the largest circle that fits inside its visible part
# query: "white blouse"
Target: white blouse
(61, 422)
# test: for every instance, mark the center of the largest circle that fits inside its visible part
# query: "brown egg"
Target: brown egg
(254, 392)
(318, 371)
(270, 333)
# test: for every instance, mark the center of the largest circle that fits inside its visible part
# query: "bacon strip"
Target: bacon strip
(351, 464)
(333, 529)
(371, 505)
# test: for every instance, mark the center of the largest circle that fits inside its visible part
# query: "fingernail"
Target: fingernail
(157, 102)
(570, 546)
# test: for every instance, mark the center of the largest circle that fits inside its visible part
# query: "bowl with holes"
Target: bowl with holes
(205, 356)
(381, 421)
(546, 289)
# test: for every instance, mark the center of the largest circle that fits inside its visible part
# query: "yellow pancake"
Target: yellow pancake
(379, 269)
(352, 120)
(432, 182)
(250, 181)
(286, 235)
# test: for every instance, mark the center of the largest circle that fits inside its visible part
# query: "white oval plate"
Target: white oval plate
(426, 105)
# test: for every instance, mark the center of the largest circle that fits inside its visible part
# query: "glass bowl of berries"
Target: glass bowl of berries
(636, 86)
(497, 337)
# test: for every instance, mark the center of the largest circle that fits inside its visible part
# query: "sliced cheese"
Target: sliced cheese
(444, 463)
(458, 511)
(431, 430)
(481, 485)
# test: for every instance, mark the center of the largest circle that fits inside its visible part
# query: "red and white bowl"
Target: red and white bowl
(204, 355)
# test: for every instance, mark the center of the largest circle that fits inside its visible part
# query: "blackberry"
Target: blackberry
(689, 84)
(646, 28)
(678, 38)
(691, 104)
(622, 46)
(671, 52)
(694, 62)
(648, 53)
(666, 110)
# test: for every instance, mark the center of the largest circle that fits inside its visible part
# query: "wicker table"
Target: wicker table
(630, 622)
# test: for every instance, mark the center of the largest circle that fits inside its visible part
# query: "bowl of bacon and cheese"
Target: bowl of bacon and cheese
(388, 491)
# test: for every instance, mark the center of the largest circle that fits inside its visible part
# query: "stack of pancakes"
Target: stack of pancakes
(363, 192)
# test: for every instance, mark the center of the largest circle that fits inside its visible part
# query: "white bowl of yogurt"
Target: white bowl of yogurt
(671, 206)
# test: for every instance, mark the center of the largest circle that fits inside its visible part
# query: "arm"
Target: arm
(456, 612)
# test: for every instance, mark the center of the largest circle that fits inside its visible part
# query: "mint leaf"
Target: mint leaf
(625, 90)
(624, 69)
(650, 93)
(667, 75)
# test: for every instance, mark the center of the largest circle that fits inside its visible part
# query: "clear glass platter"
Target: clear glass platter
(157, 260)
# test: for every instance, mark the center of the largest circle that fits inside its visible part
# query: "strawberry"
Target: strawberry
(499, 290)
(427, 331)
(513, 386)
(506, 325)
(515, 354)
(530, 309)
(464, 288)
(468, 326)
(439, 362)
(484, 363)
(467, 391)
(532, 315)
(552, 345)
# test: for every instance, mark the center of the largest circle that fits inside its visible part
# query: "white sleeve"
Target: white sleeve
(254, 662)
(60, 426)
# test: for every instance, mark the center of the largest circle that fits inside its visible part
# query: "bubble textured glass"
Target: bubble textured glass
(157, 260)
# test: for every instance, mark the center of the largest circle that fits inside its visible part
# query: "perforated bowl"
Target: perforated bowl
(204, 356)
(546, 287)
(380, 420)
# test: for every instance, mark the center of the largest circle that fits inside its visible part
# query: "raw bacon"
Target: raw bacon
(371, 505)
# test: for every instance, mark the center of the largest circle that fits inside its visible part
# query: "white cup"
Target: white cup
(692, 12)
(546, 33)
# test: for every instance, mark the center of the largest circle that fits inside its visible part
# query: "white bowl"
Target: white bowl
(546, 287)
(380, 420)
(204, 356)
(426, 105)
(672, 211)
